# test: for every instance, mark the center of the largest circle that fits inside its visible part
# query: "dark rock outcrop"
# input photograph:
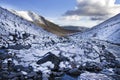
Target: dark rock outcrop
(52, 58)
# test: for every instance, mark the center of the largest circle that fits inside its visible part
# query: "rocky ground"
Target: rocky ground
(87, 71)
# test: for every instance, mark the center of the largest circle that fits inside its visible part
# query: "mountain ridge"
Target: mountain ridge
(105, 30)
(42, 22)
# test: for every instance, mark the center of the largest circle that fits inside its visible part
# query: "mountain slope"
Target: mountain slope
(42, 22)
(108, 30)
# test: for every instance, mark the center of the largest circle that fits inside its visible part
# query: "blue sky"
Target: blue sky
(75, 13)
(50, 8)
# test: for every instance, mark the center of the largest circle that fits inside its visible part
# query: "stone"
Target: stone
(10, 65)
(52, 58)
(32, 75)
(116, 77)
(117, 71)
(28, 69)
(107, 71)
(94, 76)
(11, 75)
(39, 72)
(67, 77)
(1, 62)
(5, 56)
(18, 68)
(74, 72)
(57, 78)
(93, 67)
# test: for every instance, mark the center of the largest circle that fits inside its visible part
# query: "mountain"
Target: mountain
(42, 22)
(75, 28)
(108, 30)
(31, 45)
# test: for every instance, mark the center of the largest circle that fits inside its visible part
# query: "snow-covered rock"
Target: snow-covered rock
(94, 76)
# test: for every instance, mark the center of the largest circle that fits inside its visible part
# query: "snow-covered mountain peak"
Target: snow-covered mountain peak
(29, 15)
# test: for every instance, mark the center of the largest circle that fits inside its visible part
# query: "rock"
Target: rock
(1, 62)
(5, 56)
(65, 70)
(4, 75)
(10, 71)
(3, 51)
(32, 75)
(94, 76)
(19, 46)
(113, 64)
(74, 72)
(24, 73)
(10, 65)
(116, 77)
(67, 77)
(19, 74)
(117, 64)
(39, 77)
(11, 75)
(93, 67)
(15, 78)
(56, 75)
(28, 69)
(39, 72)
(57, 78)
(52, 58)
(108, 55)
(108, 71)
(21, 77)
(82, 67)
(18, 68)
(117, 71)
(30, 79)
(45, 76)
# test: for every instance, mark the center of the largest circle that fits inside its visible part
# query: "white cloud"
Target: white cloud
(71, 18)
(95, 8)
(84, 22)
(93, 11)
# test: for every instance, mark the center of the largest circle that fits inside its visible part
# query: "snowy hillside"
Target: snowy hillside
(19, 34)
(31, 45)
(108, 30)
(28, 15)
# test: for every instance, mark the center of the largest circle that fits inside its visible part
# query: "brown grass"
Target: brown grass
(53, 28)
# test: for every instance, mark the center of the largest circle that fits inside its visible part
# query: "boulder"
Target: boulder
(93, 67)
(74, 72)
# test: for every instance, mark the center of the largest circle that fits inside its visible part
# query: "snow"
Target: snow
(93, 76)
(28, 15)
(23, 72)
(108, 31)
(78, 47)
